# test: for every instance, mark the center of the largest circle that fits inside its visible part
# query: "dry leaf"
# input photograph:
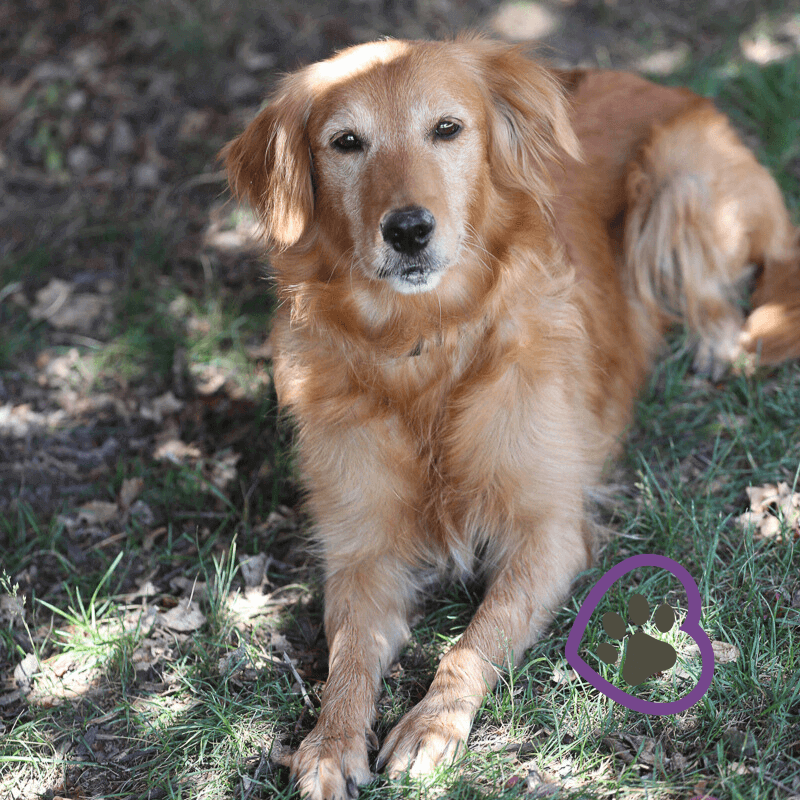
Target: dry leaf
(131, 489)
(149, 653)
(193, 588)
(161, 407)
(176, 451)
(236, 659)
(98, 512)
(679, 762)
(25, 671)
(223, 470)
(724, 652)
(145, 589)
(184, 618)
(65, 676)
(51, 299)
(142, 513)
(211, 380)
(563, 676)
(740, 742)
(253, 568)
(12, 608)
(65, 310)
(769, 504)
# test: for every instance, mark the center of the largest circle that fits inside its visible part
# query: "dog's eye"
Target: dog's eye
(446, 129)
(347, 141)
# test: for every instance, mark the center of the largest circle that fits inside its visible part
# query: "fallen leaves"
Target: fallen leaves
(740, 743)
(96, 512)
(19, 421)
(184, 617)
(130, 490)
(158, 628)
(66, 676)
(176, 451)
(12, 609)
(724, 653)
(774, 511)
(65, 309)
(81, 670)
(161, 407)
(97, 519)
(643, 751)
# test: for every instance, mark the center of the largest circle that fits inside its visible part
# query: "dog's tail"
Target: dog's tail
(700, 212)
(673, 263)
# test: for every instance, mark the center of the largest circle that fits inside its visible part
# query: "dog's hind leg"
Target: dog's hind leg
(701, 212)
(772, 331)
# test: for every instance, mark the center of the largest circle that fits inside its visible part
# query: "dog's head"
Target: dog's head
(387, 155)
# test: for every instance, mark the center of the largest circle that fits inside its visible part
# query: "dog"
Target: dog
(477, 258)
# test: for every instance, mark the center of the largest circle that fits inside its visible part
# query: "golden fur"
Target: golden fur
(467, 319)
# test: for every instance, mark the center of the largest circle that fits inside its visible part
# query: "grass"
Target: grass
(204, 735)
(768, 102)
(20, 332)
(130, 707)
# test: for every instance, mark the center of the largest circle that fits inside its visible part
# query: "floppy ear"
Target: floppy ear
(529, 118)
(269, 165)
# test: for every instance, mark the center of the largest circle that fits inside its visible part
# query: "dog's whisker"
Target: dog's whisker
(348, 252)
(476, 246)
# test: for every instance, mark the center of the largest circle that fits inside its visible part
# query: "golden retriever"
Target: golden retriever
(477, 259)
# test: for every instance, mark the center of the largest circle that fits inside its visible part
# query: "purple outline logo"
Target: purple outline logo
(691, 625)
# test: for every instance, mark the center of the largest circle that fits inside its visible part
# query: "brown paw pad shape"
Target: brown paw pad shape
(645, 655)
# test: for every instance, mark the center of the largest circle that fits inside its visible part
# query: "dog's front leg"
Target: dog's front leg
(522, 446)
(527, 588)
(366, 625)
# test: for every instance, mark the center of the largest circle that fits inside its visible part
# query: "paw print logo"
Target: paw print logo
(645, 655)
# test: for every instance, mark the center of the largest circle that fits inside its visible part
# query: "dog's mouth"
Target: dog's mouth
(414, 278)
(408, 277)
(415, 273)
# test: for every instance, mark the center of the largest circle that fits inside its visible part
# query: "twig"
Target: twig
(262, 766)
(203, 179)
(306, 698)
(777, 783)
(300, 719)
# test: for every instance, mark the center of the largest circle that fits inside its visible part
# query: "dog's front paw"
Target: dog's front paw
(331, 765)
(428, 736)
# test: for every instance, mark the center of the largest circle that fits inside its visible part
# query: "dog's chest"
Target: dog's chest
(420, 386)
(430, 397)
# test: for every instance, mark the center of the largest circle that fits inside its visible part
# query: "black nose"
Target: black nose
(408, 230)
